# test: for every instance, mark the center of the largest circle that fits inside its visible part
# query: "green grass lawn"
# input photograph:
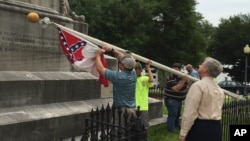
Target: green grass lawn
(160, 133)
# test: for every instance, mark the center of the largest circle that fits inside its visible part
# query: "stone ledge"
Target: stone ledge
(158, 121)
(21, 88)
(26, 75)
(39, 112)
(52, 121)
(45, 111)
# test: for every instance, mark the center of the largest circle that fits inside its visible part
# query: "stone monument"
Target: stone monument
(28, 47)
(41, 97)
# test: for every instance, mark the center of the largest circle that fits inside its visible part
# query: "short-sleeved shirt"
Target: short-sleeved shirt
(142, 87)
(194, 74)
(123, 87)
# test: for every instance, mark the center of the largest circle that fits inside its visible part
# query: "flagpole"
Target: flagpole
(139, 58)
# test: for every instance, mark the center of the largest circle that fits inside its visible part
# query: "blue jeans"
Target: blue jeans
(174, 112)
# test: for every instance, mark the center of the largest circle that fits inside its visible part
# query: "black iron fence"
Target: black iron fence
(156, 93)
(235, 112)
(112, 124)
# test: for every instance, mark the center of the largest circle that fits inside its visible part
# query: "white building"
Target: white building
(155, 76)
(223, 77)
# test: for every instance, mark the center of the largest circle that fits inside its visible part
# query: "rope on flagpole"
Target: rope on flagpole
(137, 57)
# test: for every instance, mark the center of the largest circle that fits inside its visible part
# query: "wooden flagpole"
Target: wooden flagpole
(140, 58)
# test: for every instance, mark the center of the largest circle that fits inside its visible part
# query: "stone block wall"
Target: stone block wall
(18, 88)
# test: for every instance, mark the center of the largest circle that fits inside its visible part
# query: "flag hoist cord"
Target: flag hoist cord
(139, 58)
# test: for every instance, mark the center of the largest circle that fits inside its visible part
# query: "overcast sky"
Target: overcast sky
(214, 10)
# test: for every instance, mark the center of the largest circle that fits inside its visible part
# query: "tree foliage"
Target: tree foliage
(165, 31)
(230, 38)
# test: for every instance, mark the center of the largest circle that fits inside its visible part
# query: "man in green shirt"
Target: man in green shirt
(143, 83)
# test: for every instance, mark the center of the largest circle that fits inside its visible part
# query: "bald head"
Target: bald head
(189, 67)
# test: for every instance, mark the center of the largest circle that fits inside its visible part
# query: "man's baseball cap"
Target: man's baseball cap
(128, 61)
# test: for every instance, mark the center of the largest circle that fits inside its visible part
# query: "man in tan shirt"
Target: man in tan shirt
(203, 105)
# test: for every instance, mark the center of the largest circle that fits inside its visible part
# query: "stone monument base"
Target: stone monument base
(44, 106)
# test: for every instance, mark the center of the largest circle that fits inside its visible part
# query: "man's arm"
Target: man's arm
(112, 50)
(99, 65)
(181, 84)
(101, 69)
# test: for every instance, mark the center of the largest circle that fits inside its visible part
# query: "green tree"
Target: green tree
(208, 31)
(228, 42)
(118, 22)
(165, 31)
(177, 35)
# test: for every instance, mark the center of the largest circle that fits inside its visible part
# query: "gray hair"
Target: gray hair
(214, 66)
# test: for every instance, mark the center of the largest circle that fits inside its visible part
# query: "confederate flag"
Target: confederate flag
(80, 54)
